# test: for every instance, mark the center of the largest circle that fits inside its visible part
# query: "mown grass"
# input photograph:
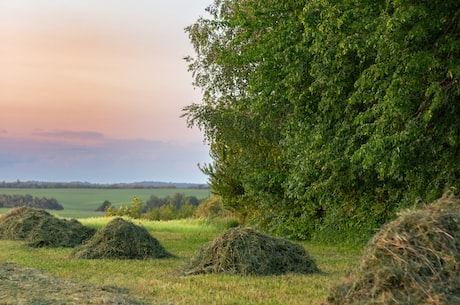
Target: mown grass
(80, 203)
(156, 282)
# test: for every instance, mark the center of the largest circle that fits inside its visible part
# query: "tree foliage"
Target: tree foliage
(328, 115)
(16, 200)
(212, 208)
(104, 206)
(178, 206)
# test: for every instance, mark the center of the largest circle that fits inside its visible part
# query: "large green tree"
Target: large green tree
(241, 48)
(328, 115)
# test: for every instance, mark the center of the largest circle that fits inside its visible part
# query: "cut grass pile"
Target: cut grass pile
(245, 251)
(413, 260)
(38, 228)
(121, 239)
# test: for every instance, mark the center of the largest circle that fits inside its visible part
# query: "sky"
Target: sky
(93, 90)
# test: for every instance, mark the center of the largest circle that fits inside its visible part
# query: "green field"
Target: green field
(81, 203)
(154, 280)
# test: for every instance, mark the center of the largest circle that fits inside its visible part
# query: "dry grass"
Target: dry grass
(41, 229)
(23, 285)
(245, 251)
(412, 260)
(121, 239)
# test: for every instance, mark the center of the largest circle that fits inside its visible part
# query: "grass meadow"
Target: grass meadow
(154, 280)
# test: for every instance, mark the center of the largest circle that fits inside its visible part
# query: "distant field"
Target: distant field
(81, 203)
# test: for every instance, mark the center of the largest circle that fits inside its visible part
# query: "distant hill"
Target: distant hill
(80, 184)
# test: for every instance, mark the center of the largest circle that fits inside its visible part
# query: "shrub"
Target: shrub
(104, 206)
(210, 208)
(133, 211)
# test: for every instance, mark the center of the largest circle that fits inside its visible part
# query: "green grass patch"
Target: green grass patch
(154, 280)
(184, 226)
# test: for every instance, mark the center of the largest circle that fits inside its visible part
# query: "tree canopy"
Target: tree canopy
(328, 115)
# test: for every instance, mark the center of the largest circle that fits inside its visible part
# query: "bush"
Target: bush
(210, 208)
(133, 211)
(104, 206)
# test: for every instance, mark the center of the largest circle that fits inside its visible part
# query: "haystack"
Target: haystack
(41, 229)
(413, 260)
(121, 239)
(245, 251)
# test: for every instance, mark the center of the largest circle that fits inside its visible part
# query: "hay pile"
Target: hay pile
(41, 229)
(245, 251)
(412, 260)
(121, 239)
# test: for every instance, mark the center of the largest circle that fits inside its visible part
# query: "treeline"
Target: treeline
(88, 185)
(13, 201)
(177, 206)
(328, 117)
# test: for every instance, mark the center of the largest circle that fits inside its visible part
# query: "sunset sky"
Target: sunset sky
(92, 90)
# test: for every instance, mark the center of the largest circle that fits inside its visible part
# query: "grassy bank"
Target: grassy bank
(155, 282)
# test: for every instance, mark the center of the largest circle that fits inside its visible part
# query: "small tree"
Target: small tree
(210, 208)
(135, 211)
(153, 214)
(110, 211)
(154, 202)
(104, 206)
(186, 211)
(168, 212)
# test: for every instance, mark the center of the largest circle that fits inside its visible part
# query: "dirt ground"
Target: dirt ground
(27, 286)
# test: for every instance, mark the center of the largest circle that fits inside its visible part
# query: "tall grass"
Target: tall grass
(183, 226)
